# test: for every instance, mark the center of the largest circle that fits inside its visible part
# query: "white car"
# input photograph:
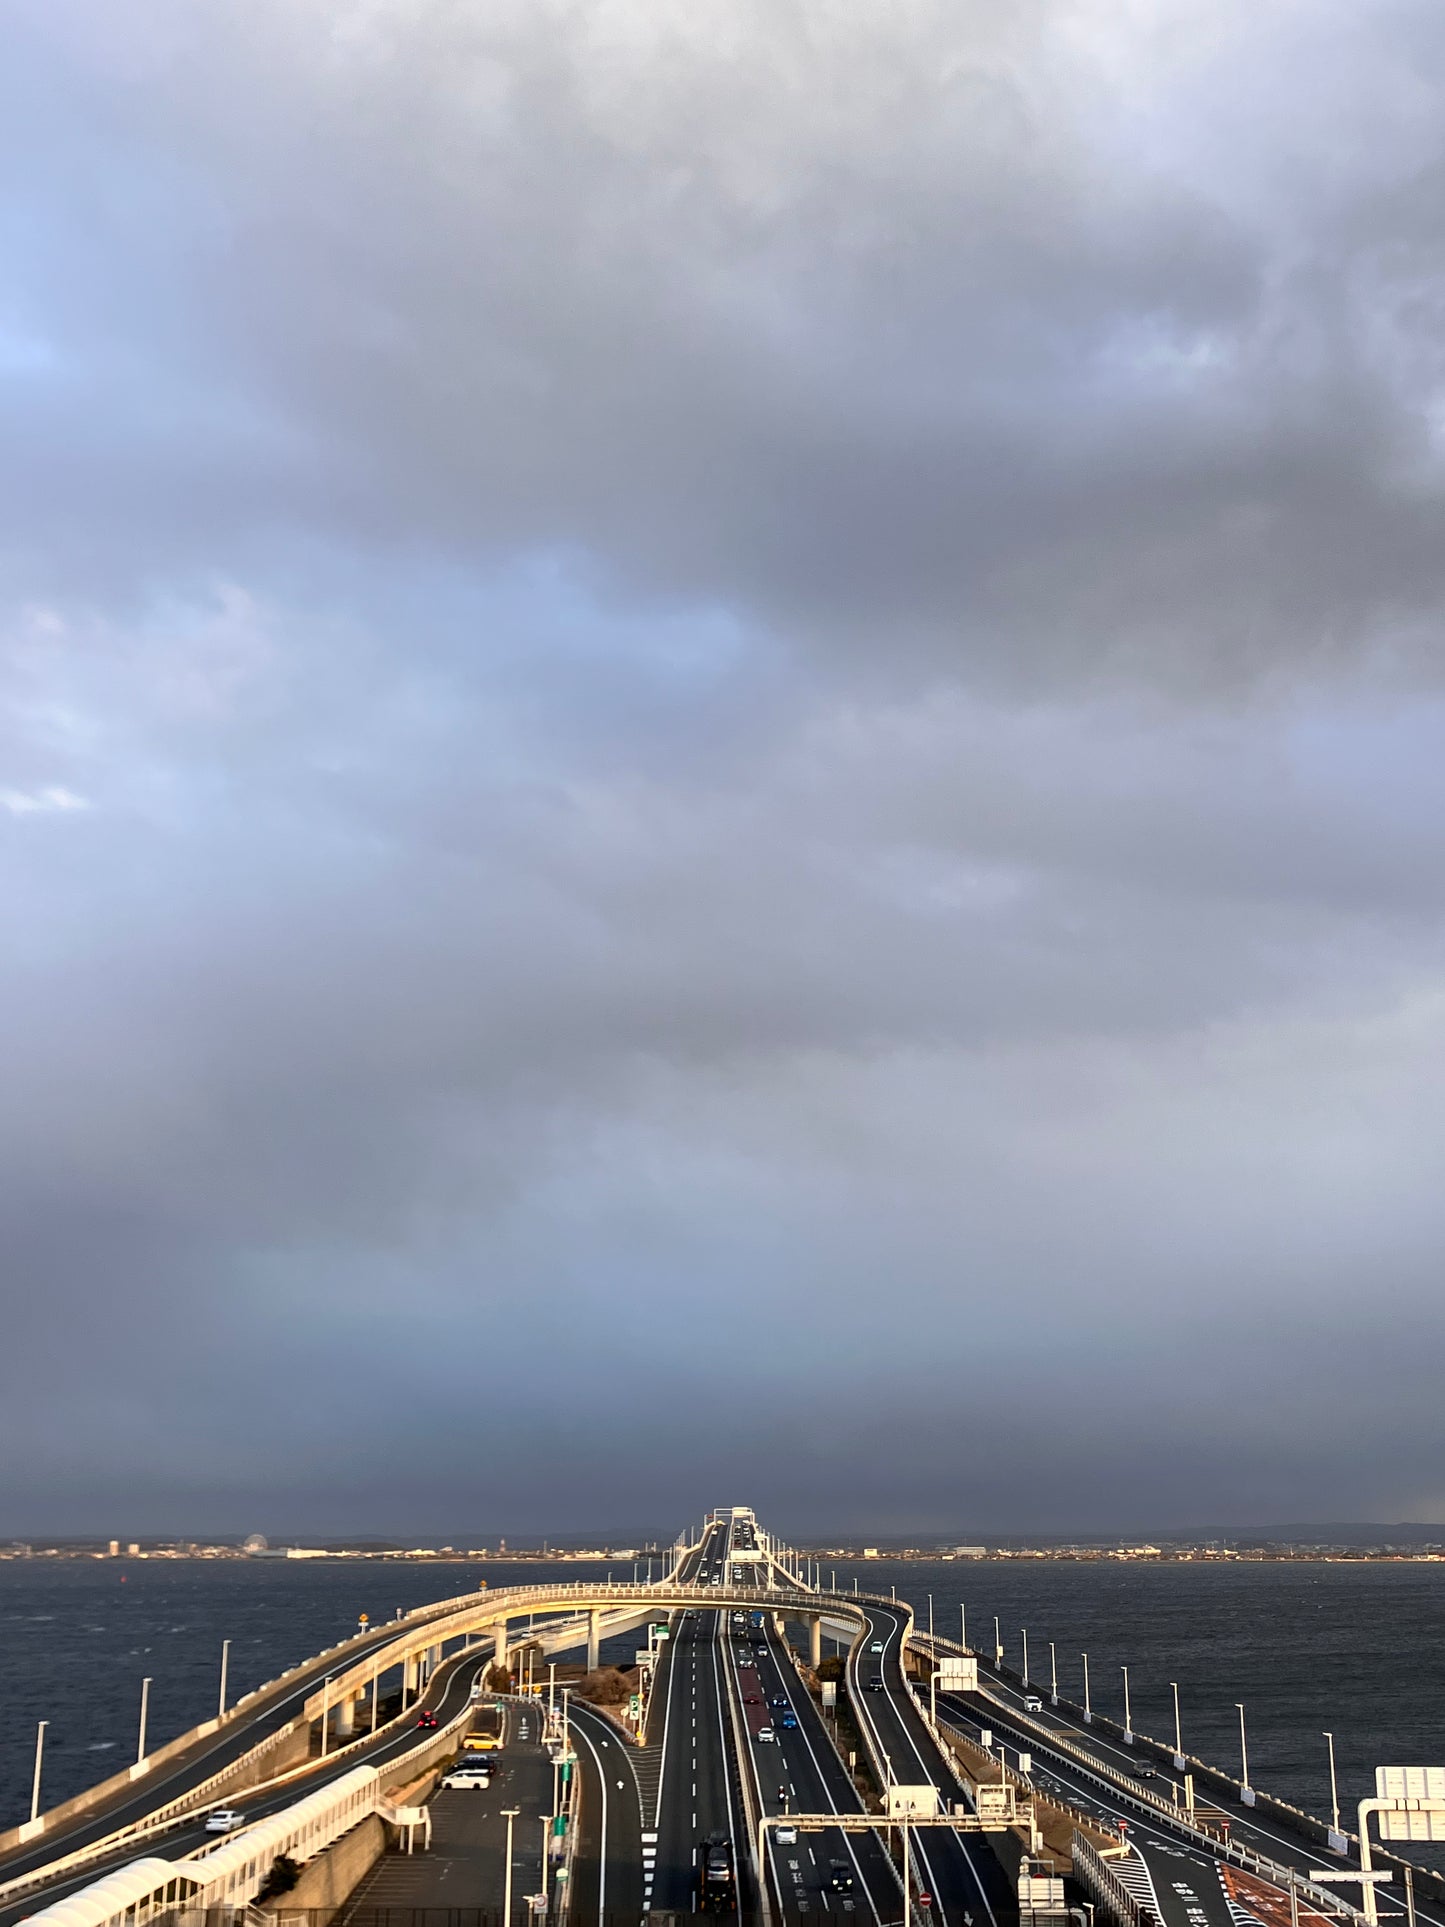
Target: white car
(876, 1647)
(786, 1836)
(224, 1820)
(1033, 1704)
(765, 1733)
(466, 1777)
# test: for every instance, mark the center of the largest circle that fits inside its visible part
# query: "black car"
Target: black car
(779, 1700)
(875, 1686)
(840, 1876)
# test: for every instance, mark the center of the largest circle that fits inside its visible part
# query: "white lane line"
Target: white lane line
(848, 1839)
(602, 1853)
(919, 1847)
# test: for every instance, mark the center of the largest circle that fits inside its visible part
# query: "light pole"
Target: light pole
(1334, 1784)
(1128, 1723)
(325, 1711)
(145, 1700)
(1088, 1710)
(1243, 1749)
(1053, 1675)
(997, 1646)
(225, 1663)
(1178, 1740)
(1025, 1631)
(930, 1615)
(511, 1814)
(39, 1756)
(963, 1625)
(546, 1842)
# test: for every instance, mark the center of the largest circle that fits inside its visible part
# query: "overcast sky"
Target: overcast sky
(722, 763)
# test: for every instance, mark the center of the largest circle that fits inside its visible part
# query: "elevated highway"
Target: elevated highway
(707, 1767)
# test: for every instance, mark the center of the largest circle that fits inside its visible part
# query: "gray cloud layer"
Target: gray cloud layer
(720, 763)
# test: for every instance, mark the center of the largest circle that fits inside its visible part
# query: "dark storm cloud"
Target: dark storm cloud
(744, 695)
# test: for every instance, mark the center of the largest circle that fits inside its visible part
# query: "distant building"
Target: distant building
(870, 1552)
(133, 1548)
(970, 1552)
(114, 1548)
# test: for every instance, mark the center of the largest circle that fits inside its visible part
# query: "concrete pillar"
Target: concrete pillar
(815, 1641)
(594, 1640)
(345, 1723)
(411, 1674)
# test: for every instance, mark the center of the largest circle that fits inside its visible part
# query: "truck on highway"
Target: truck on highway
(717, 1886)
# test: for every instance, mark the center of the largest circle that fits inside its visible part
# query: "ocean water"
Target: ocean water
(78, 1636)
(1358, 1649)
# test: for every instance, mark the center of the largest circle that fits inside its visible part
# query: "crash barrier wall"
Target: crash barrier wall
(1103, 1886)
(1125, 1789)
(478, 1612)
(328, 1881)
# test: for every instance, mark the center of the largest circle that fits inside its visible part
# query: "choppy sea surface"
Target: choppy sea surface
(1356, 1649)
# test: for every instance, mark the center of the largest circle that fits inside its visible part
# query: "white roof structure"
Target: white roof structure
(117, 1893)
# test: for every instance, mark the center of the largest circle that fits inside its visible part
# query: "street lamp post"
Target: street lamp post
(997, 1646)
(510, 1814)
(145, 1700)
(1088, 1710)
(325, 1711)
(1025, 1632)
(1334, 1785)
(39, 1756)
(1128, 1723)
(1178, 1738)
(546, 1842)
(963, 1625)
(1243, 1749)
(1053, 1675)
(225, 1664)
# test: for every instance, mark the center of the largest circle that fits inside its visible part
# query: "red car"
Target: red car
(427, 1720)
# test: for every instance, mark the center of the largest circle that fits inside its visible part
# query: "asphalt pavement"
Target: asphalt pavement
(965, 1879)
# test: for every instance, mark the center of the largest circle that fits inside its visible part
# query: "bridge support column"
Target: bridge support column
(594, 1640)
(411, 1674)
(815, 1641)
(344, 1724)
(499, 1653)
